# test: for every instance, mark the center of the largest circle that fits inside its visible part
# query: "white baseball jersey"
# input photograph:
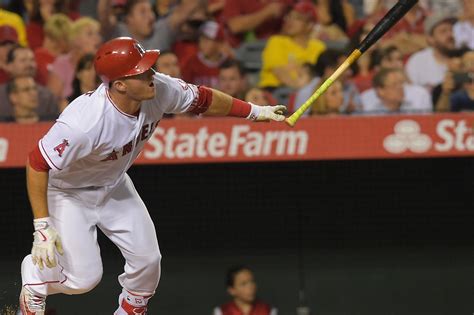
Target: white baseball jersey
(93, 143)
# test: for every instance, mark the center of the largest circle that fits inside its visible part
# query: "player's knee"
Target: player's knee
(152, 263)
(83, 284)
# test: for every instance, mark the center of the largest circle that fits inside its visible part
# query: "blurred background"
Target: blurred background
(363, 208)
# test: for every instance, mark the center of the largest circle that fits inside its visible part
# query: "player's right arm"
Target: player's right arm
(46, 239)
(60, 147)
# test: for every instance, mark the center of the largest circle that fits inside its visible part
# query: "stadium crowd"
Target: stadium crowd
(265, 52)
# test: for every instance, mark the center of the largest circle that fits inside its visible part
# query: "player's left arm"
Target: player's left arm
(177, 96)
(215, 103)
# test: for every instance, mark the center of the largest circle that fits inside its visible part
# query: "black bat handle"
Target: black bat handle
(389, 20)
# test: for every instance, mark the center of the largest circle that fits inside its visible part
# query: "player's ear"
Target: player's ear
(119, 85)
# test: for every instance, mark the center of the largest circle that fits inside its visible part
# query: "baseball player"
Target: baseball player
(77, 180)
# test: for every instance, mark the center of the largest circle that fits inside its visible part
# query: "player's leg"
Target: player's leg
(126, 222)
(79, 269)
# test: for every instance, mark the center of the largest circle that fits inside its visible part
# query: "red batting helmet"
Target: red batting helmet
(123, 57)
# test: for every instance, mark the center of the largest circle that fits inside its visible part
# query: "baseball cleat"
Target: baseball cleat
(31, 304)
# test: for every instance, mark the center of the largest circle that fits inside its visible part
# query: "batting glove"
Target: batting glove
(46, 239)
(266, 113)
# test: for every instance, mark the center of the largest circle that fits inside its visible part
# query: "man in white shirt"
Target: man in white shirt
(391, 94)
(428, 67)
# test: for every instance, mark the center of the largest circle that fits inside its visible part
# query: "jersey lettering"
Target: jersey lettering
(111, 157)
(89, 93)
(127, 148)
(145, 131)
(61, 147)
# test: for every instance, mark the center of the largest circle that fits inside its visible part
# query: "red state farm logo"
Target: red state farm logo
(407, 136)
(61, 147)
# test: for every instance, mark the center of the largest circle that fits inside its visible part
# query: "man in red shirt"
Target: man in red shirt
(263, 18)
(203, 67)
(8, 38)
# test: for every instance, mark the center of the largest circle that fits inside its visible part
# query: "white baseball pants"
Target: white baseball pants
(123, 217)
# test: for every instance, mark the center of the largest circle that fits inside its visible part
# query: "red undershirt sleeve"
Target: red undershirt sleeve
(37, 161)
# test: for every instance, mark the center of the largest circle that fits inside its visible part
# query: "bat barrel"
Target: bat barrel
(389, 20)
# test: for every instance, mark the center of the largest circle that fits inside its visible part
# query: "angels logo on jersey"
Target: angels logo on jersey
(61, 147)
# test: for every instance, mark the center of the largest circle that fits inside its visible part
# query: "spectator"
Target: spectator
(390, 57)
(242, 288)
(168, 64)
(428, 67)
(203, 67)
(140, 22)
(22, 93)
(331, 102)
(259, 96)
(256, 96)
(57, 30)
(85, 78)
(84, 39)
(259, 18)
(451, 83)
(8, 39)
(21, 63)
(464, 29)
(42, 11)
(391, 94)
(285, 54)
(186, 41)
(463, 100)
(232, 79)
(337, 12)
(15, 21)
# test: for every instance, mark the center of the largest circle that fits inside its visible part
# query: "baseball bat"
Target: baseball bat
(387, 21)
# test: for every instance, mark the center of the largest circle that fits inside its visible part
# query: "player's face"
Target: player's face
(140, 87)
(244, 288)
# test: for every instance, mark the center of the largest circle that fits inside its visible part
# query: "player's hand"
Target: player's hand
(267, 113)
(46, 240)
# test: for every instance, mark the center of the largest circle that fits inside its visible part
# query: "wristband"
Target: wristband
(41, 223)
(240, 108)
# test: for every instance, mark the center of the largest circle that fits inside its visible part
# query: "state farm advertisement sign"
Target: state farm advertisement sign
(213, 140)
(225, 142)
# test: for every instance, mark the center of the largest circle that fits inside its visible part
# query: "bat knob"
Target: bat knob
(290, 122)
